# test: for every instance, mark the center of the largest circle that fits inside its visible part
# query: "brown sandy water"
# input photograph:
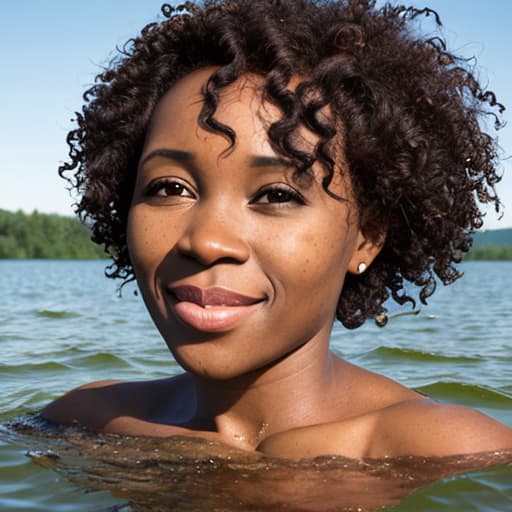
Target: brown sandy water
(190, 474)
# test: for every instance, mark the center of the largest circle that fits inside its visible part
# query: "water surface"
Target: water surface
(62, 324)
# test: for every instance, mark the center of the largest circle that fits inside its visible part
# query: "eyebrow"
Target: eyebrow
(269, 161)
(181, 156)
(173, 154)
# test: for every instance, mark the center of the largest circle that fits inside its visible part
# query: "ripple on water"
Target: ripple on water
(414, 355)
(56, 315)
(415, 329)
(24, 403)
(35, 368)
(102, 358)
(467, 394)
(24, 483)
(468, 493)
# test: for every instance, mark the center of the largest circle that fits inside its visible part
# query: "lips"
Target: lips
(215, 296)
(211, 309)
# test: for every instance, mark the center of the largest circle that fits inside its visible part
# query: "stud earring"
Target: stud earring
(361, 267)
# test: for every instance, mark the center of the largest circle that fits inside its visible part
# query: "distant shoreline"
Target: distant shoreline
(43, 236)
(490, 253)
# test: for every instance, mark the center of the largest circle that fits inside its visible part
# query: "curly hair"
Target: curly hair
(412, 117)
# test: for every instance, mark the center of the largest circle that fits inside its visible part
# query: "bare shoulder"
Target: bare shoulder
(83, 405)
(417, 427)
(424, 427)
(402, 422)
(97, 404)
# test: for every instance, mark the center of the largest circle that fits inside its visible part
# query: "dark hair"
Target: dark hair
(410, 113)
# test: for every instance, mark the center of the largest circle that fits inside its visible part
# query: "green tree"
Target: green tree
(46, 236)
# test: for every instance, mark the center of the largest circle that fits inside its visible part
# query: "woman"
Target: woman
(262, 168)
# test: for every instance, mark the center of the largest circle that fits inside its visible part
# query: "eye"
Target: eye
(168, 188)
(278, 194)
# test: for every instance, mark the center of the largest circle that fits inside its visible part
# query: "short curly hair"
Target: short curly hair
(412, 116)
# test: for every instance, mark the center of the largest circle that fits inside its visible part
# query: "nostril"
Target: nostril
(210, 243)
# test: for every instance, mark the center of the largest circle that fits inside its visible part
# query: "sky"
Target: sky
(51, 50)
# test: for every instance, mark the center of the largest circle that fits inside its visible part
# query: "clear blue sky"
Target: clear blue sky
(51, 50)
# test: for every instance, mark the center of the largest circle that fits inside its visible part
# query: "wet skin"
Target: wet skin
(241, 266)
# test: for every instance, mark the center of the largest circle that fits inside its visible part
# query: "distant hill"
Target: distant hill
(493, 244)
(45, 236)
(493, 237)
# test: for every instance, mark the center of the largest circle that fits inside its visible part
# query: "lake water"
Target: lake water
(62, 325)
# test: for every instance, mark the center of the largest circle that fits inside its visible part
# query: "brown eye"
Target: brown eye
(278, 194)
(168, 188)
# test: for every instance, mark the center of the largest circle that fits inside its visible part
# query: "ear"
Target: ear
(366, 250)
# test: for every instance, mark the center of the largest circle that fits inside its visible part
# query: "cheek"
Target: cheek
(146, 243)
(313, 262)
(308, 280)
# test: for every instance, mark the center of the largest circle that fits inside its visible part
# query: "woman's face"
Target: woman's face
(238, 264)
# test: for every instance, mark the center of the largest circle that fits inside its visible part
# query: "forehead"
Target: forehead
(240, 106)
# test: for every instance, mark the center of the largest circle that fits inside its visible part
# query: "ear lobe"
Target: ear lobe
(366, 250)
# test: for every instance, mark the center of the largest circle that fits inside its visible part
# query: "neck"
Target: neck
(298, 390)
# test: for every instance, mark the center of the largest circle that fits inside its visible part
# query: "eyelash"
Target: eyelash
(288, 194)
(163, 185)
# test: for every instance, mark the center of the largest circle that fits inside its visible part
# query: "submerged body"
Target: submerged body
(190, 474)
(387, 420)
(240, 268)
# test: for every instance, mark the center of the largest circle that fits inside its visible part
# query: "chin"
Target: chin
(214, 374)
(216, 369)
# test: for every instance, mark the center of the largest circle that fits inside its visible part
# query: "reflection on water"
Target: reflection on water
(190, 474)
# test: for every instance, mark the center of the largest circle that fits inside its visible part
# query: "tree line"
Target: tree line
(493, 244)
(47, 236)
(489, 252)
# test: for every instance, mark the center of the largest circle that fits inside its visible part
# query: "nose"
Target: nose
(211, 236)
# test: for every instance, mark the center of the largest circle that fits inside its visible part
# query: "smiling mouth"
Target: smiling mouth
(213, 309)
